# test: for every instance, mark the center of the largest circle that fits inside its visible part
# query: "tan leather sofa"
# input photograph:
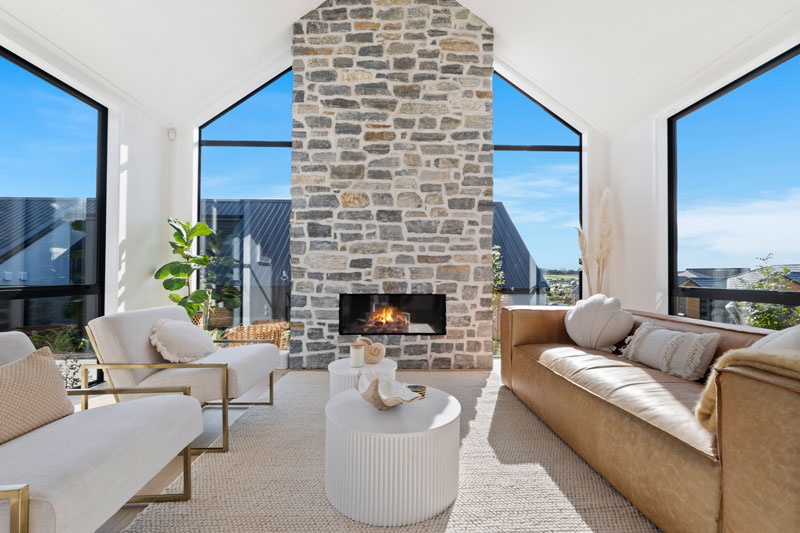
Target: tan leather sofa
(635, 425)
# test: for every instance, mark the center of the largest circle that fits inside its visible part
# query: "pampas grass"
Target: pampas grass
(585, 257)
(597, 248)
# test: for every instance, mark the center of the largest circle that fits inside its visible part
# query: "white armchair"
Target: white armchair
(122, 344)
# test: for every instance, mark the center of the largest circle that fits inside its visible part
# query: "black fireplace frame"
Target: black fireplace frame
(441, 302)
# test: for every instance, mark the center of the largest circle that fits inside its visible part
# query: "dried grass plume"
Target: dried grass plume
(596, 249)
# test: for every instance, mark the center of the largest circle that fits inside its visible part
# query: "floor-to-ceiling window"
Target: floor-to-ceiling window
(537, 184)
(245, 164)
(734, 203)
(52, 206)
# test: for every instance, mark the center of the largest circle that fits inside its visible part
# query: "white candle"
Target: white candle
(356, 355)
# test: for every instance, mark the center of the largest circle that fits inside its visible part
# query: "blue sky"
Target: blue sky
(739, 175)
(738, 163)
(48, 139)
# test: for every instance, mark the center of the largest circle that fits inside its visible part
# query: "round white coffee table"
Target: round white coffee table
(343, 376)
(393, 467)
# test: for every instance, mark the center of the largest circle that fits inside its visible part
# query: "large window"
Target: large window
(734, 197)
(537, 184)
(52, 206)
(245, 164)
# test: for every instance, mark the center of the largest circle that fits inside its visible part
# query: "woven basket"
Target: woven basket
(218, 318)
(270, 333)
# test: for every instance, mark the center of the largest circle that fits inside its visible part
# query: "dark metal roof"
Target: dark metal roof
(519, 267)
(23, 220)
(266, 222)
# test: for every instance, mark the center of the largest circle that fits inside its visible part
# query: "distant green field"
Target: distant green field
(561, 276)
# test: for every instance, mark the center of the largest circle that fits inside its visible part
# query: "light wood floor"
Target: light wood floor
(211, 421)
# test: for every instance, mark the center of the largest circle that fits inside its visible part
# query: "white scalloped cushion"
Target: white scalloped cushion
(598, 322)
(680, 353)
(180, 342)
(785, 339)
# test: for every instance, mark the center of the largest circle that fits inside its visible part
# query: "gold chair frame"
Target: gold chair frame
(18, 496)
(225, 403)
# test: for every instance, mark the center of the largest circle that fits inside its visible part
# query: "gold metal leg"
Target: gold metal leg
(17, 496)
(225, 403)
(179, 497)
(84, 385)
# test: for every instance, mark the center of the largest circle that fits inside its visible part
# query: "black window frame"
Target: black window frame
(98, 287)
(552, 148)
(791, 298)
(231, 143)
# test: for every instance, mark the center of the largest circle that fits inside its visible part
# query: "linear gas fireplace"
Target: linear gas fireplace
(392, 314)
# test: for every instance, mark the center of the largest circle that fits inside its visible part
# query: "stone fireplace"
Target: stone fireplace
(393, 314)
(392, 175)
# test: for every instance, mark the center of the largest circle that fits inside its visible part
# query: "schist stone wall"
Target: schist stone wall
(392, 173)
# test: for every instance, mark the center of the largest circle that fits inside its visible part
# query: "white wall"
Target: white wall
(638, 172)
(137, 190)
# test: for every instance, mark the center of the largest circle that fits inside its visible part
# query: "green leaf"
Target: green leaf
(175, 297)
(178, 224)
(201, 228)
(166, 270)
(174, 284)
(198, 296)
(180, 269)
(200, 260)
(180, 239)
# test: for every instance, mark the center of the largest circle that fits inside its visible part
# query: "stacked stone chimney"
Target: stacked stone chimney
(392, 173)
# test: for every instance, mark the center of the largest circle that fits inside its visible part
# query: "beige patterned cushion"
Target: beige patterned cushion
(32, 394)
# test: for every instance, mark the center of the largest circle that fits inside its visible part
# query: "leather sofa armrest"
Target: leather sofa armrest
(525, 324)
(758, 428)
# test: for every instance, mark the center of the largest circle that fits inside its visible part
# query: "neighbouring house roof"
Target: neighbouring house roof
(746, 278)
(23, 221)
(519, 267)
(266, 222)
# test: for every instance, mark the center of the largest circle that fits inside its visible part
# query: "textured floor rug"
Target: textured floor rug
(516, 474)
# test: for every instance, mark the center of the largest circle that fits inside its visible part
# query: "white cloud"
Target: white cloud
(734, 234)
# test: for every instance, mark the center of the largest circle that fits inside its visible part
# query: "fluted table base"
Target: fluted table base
(391, 479)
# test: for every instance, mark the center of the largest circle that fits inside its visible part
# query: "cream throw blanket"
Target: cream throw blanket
(781, 362)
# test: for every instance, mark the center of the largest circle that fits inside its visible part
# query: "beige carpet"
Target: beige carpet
(516, 475)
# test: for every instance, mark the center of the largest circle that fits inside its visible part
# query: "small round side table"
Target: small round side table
(343, 376)
(395, 467)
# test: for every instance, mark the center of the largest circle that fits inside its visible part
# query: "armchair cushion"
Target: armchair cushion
(246, 366)
(82, 468)
(32, 394)
(124, 338)
(179, 341)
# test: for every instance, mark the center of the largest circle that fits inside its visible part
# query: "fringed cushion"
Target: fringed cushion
(179, 341)
(683, 354)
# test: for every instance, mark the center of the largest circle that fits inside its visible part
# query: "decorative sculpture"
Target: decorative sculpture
(373, 351)
(381, 392)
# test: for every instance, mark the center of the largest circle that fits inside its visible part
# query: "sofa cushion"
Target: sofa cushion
(660, 399)
(32, 394)
(82, 468)
(247, 365)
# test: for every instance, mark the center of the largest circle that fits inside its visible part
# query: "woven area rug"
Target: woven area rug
(516, 474)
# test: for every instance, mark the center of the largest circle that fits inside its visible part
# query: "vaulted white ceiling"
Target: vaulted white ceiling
(606, 60)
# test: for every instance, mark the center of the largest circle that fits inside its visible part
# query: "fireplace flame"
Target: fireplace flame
(387, 320)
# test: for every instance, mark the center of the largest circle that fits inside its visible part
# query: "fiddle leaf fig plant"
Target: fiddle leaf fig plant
(177, 275)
